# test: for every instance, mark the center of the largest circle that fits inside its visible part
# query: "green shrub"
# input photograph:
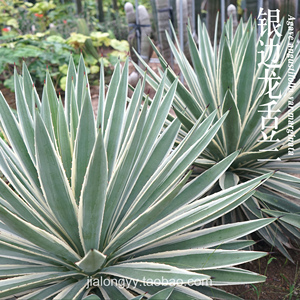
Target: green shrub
(47, 43)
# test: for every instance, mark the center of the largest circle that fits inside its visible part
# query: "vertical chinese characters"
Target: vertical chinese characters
(270, 58)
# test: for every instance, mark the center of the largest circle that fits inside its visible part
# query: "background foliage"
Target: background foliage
(44, 35)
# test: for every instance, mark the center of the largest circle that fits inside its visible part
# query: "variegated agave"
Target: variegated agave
(93, 203)
(227, 76)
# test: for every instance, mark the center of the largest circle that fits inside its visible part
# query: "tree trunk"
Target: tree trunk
(266, 5)
(163, 16)
(78, 6)
(115, 5)
(213, 6)
(252, 8)
(197, 11)
(288, 7)
(186, 14)
(100, 11)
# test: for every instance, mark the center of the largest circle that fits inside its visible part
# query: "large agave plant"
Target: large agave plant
(228, 76)
(101, 208)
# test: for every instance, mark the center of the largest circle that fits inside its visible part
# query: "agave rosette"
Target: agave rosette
(92, 199)
(229, 77)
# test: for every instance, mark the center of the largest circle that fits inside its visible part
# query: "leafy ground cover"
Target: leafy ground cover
(44, 35)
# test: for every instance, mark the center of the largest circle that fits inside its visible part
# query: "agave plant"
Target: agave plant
(229, 76)
(100, 208)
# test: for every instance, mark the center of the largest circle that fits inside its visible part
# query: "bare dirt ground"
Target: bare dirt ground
(283, 278)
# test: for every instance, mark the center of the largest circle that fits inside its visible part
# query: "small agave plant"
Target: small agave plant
(101, 208)
(228, 76)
